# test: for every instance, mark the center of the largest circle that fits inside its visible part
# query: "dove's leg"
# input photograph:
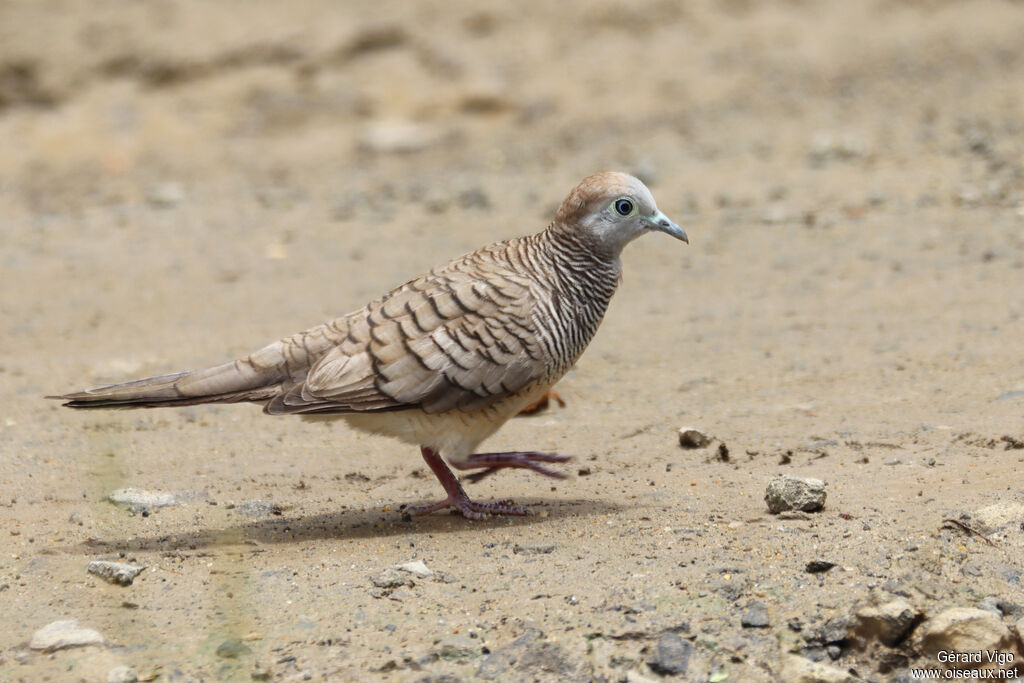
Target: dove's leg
(524, 459)
(457, 498)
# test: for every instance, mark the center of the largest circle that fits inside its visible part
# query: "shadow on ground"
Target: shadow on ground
(340, 525)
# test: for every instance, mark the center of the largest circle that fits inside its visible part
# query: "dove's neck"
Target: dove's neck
(582, 283)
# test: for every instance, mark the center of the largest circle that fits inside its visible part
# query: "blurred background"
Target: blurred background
(183, 181)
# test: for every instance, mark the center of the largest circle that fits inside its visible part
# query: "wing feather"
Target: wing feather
(450, 339)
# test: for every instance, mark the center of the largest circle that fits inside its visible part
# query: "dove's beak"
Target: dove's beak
(661, 222)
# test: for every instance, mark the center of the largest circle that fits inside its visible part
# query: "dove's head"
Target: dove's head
(609, 210)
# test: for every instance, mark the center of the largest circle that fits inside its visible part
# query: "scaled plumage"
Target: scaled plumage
(443, 360)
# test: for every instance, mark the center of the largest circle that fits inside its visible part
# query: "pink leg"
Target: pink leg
(457, 498)
(524, 459)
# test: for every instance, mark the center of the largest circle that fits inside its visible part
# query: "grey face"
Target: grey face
(625, 211)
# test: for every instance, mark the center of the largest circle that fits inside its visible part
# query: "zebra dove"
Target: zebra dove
(443, 360)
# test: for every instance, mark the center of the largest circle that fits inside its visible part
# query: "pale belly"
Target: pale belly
(453, 434)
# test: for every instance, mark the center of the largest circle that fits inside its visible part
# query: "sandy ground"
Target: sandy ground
(182, 182)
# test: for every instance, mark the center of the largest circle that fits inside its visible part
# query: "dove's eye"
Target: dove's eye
(623, 207)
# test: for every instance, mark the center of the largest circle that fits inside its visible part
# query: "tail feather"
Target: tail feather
(233, 382)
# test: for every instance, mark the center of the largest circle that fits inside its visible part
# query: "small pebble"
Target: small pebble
(165, 195)
(417, 567)
(141, 498)
(756, 616)
(232, 649)
(542, 549)
(786, 492)
(819, 566)
(690, 437)
(391, 578)
(66, 633)
(671, 655)
(393, 136)
(122, 674)
(114, 572)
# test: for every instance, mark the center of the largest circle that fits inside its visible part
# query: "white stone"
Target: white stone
(417, 567)
(786, 492)
(122, 674)
(114, 572)
(133, 496)
(63, 634)
(394, 136)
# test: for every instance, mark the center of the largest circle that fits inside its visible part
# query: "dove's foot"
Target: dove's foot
(529, 460)
(457, 497)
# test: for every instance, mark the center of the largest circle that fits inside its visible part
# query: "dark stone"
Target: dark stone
(835, 630)
(502, 659)
(819, 566)
(815, 653)
(232, 649)
(756, 616)
(671, 656)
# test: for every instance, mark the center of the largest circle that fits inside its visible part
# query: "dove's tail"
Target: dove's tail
(234, 382)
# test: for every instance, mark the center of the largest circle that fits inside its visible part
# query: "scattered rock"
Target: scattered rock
(122, 674)
(722, 454)
(458, 648)
(258, 508)
(776, 214)
(990, 604)
(828, 638)
(796, 669)
(671, 655)
(826, 147)
(165, 195)
(64, 634)
(966, 629)
(818, 566)
(416, 567)
(393, 136)
(391, 578)
(142, 501)
(119, 573)
(541, 549)
(233, 649)
(530, 654)
(690, 437)
(786, 492)
(756, 616)
(889, 623)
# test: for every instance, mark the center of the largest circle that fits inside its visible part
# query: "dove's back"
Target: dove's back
(485, 327)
